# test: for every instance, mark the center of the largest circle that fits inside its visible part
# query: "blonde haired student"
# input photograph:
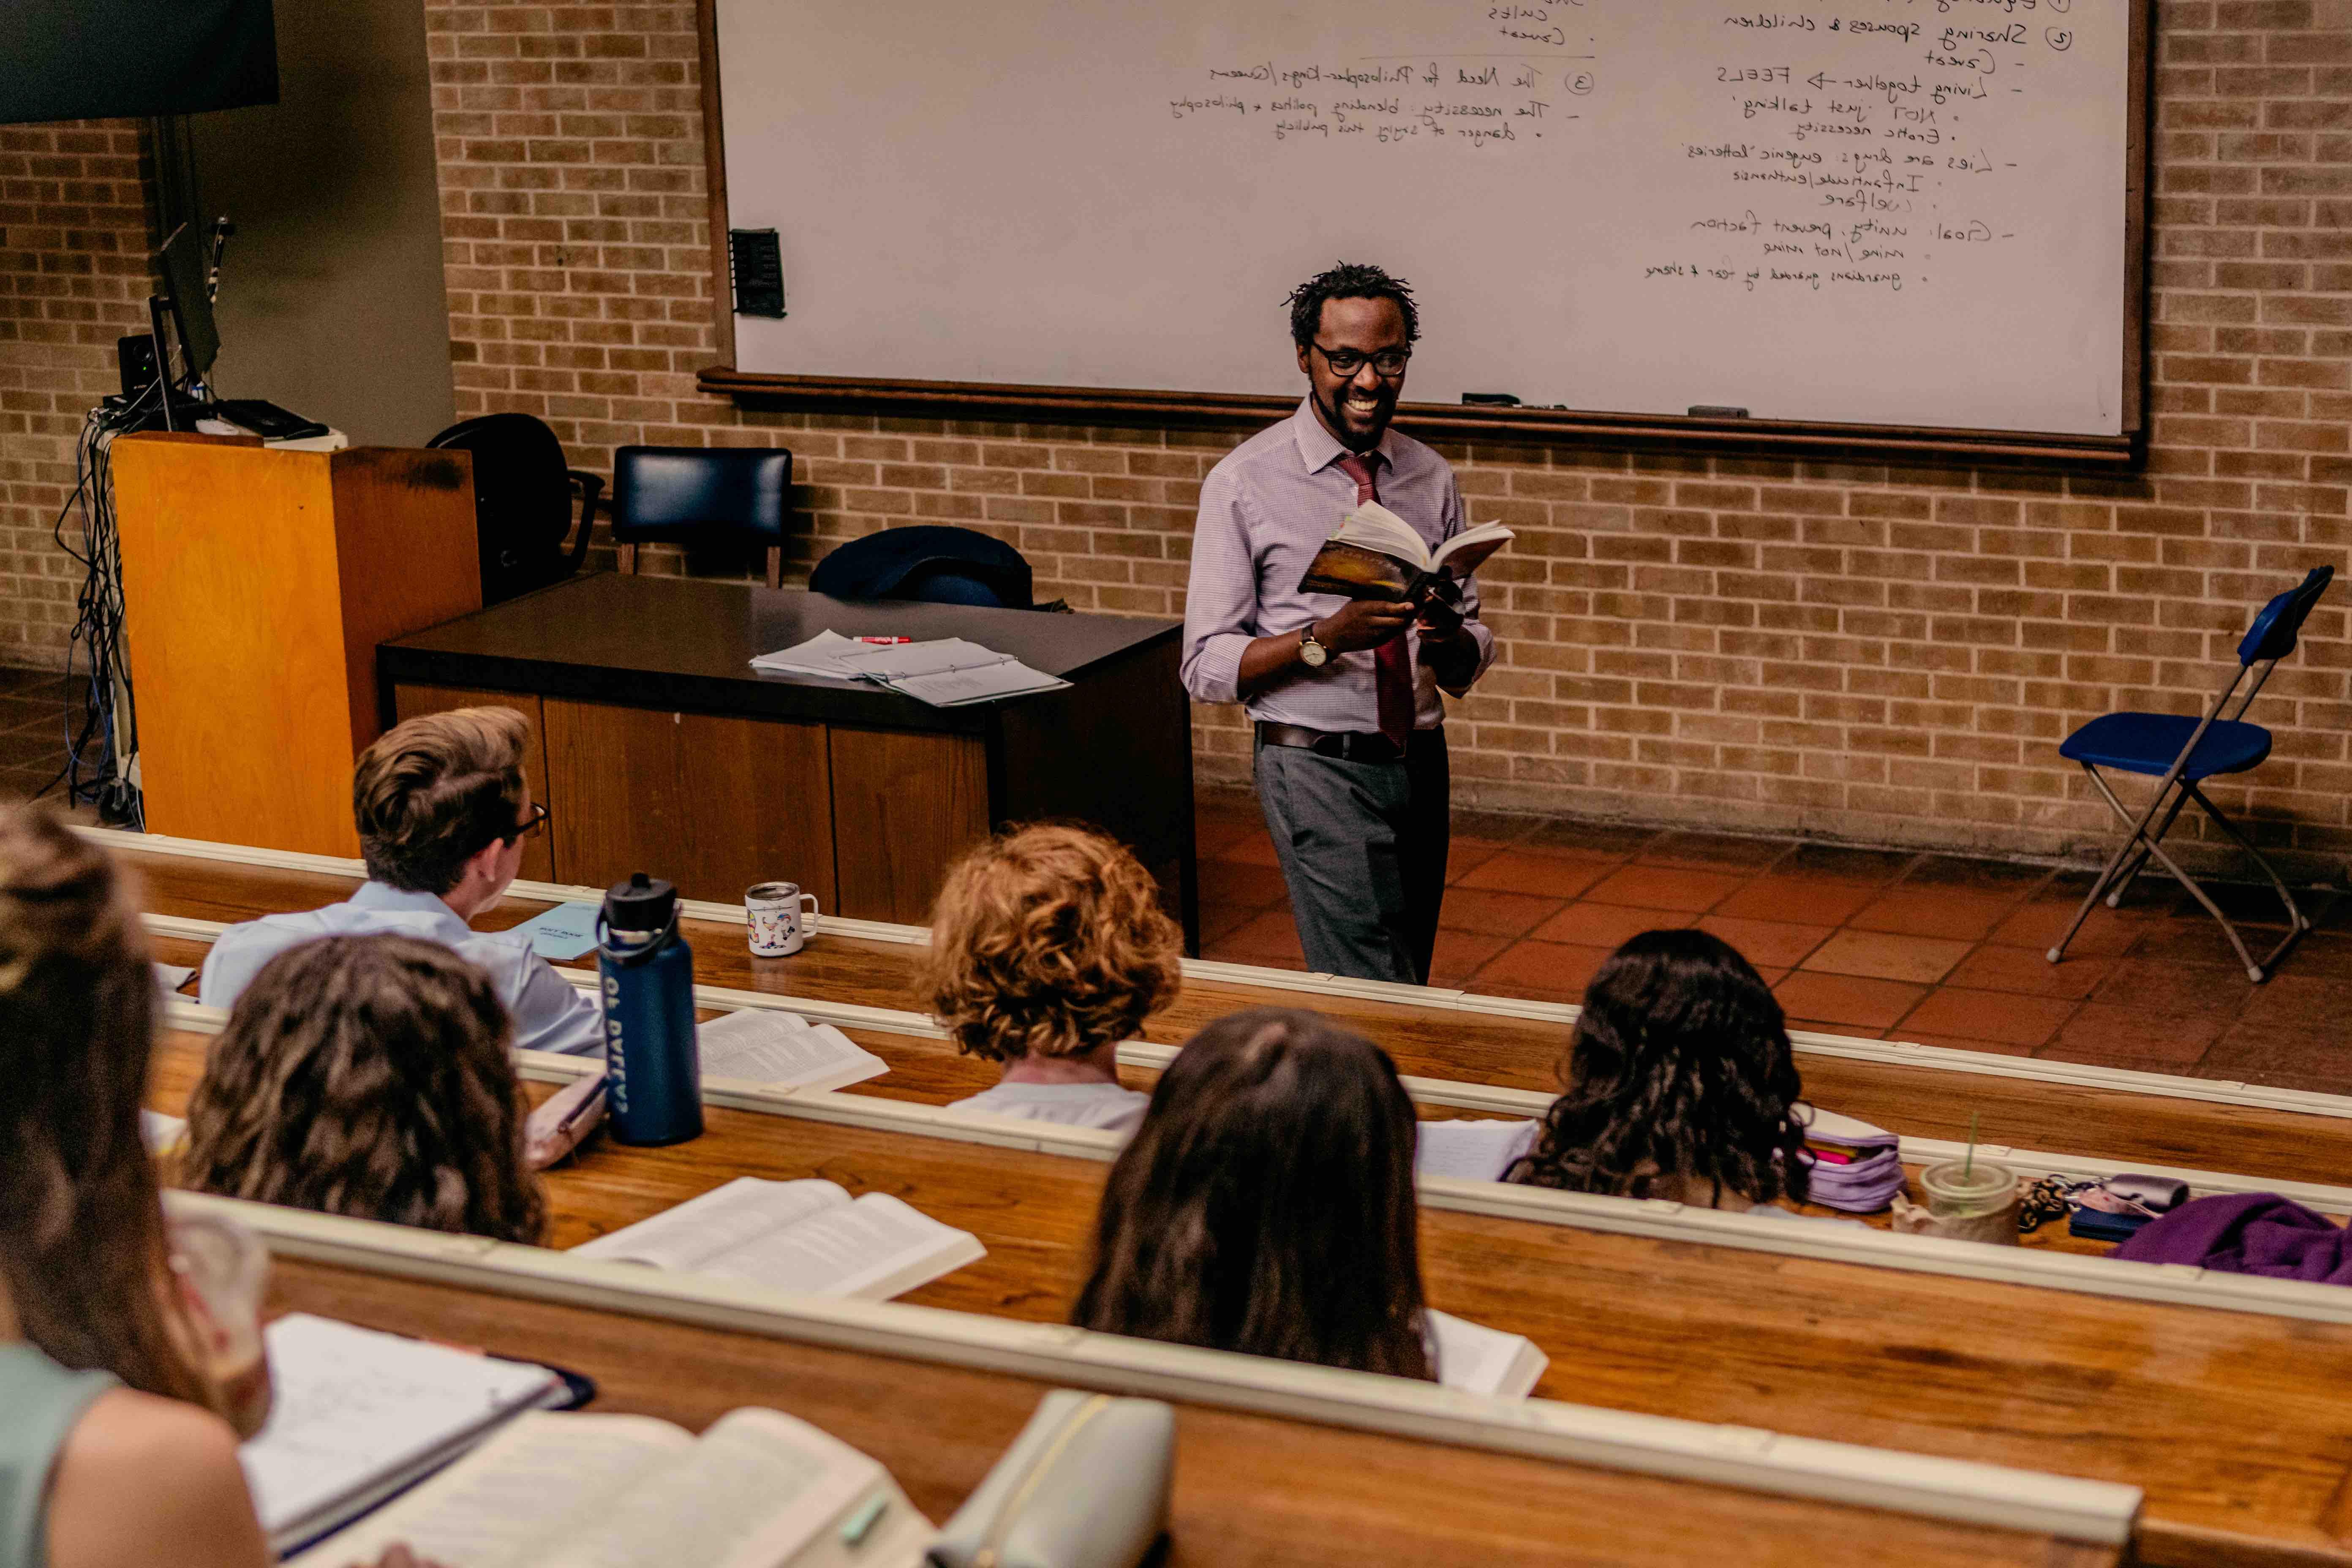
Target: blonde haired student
(1048, 947)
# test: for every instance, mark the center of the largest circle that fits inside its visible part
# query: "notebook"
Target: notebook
(806, 1235)
(357, 1415)
(786, 1050)
(759, 1489)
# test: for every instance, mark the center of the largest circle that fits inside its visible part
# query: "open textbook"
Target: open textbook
(759, 1489)
(358, 1415)
(772, 1046)
(1375, 555)
(807, 1235)
(1480, 1359)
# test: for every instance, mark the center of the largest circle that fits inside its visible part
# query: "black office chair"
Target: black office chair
(523, 502)
(931, 562)
(701, 497)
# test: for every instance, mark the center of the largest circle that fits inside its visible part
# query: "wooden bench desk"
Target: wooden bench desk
(2230, 1421)
(1251, 1489)
(2259, 1141)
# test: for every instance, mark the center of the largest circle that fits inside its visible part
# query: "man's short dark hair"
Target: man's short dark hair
(1349, 281)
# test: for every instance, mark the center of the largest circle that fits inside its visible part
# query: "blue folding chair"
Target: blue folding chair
(2184, 751)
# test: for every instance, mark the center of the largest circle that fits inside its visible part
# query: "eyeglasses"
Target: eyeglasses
(1389, 363)
(538, 820)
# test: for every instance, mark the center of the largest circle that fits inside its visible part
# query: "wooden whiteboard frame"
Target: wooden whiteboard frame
(1788, 439)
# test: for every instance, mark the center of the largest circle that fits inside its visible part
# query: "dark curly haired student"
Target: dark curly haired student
(1680, 1082)
(368, 1076)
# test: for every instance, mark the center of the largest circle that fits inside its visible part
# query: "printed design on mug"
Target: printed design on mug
(773, 918)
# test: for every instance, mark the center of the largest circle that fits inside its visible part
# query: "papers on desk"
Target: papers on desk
(815, 657)
(567, 930)
(945, 672)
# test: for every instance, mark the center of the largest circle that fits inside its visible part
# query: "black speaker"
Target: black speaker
(135, 357)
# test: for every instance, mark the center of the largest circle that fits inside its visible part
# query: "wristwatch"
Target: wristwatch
(1312, 654)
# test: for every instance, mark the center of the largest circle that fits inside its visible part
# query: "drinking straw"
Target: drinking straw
(1969, 1164)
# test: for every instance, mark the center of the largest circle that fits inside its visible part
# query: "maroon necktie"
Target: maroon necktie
(1392, 660)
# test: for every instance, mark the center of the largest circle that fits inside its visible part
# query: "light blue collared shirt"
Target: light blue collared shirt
(549, 1014)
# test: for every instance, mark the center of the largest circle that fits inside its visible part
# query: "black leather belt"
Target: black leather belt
(1347, 745)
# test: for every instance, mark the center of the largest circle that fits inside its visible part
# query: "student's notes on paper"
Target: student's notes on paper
(1480, 1359)
(805, 1236)
(759, 1489)
(784, 1050)
(170, 978)
(358, 1415)
(567, 930)
(944, 672)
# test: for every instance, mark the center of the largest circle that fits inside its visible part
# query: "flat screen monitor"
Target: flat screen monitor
(190, 304)
(97, 59)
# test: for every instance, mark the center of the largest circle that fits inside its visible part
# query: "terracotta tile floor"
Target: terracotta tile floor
(1938, 949)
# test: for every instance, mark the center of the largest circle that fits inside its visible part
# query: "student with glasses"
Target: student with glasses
(1350, 732)
(443, 809)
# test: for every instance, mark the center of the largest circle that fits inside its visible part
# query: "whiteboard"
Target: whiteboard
(1889, 212)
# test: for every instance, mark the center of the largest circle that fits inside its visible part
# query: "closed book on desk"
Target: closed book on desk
(255, 586)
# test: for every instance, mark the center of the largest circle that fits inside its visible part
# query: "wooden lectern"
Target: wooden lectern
(256, 584)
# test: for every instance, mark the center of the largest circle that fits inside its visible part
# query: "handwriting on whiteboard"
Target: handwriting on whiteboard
(1829, 144)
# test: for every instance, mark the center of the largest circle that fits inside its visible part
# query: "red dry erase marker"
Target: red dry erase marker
(885, 639)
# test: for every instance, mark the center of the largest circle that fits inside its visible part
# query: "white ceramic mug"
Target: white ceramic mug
(771, 918)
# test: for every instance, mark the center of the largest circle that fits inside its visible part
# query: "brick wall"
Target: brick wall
(74, 242)
(1866, 652)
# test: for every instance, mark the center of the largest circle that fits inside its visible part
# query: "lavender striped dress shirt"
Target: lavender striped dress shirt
(1264, 510)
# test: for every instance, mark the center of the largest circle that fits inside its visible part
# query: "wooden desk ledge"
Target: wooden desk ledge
(2227, 1418)
(2160, 1136)
(2140, 1120)
(898, 1382)
(2049, 1259)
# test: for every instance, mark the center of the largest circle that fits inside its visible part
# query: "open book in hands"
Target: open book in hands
(759, 1489)
(805, 1236)
(1376, 555)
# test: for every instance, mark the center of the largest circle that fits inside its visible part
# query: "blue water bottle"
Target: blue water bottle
(647, 976)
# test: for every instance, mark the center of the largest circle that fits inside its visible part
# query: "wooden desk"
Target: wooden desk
(2281, 1145)
(2230, 1421)
(1250, 1490)
(663, 750)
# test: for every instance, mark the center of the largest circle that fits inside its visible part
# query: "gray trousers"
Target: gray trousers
(1362, 847)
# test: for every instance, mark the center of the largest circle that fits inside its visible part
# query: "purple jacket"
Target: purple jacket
(2247, 1232)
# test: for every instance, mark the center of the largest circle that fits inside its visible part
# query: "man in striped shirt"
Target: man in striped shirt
(1351, 742)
